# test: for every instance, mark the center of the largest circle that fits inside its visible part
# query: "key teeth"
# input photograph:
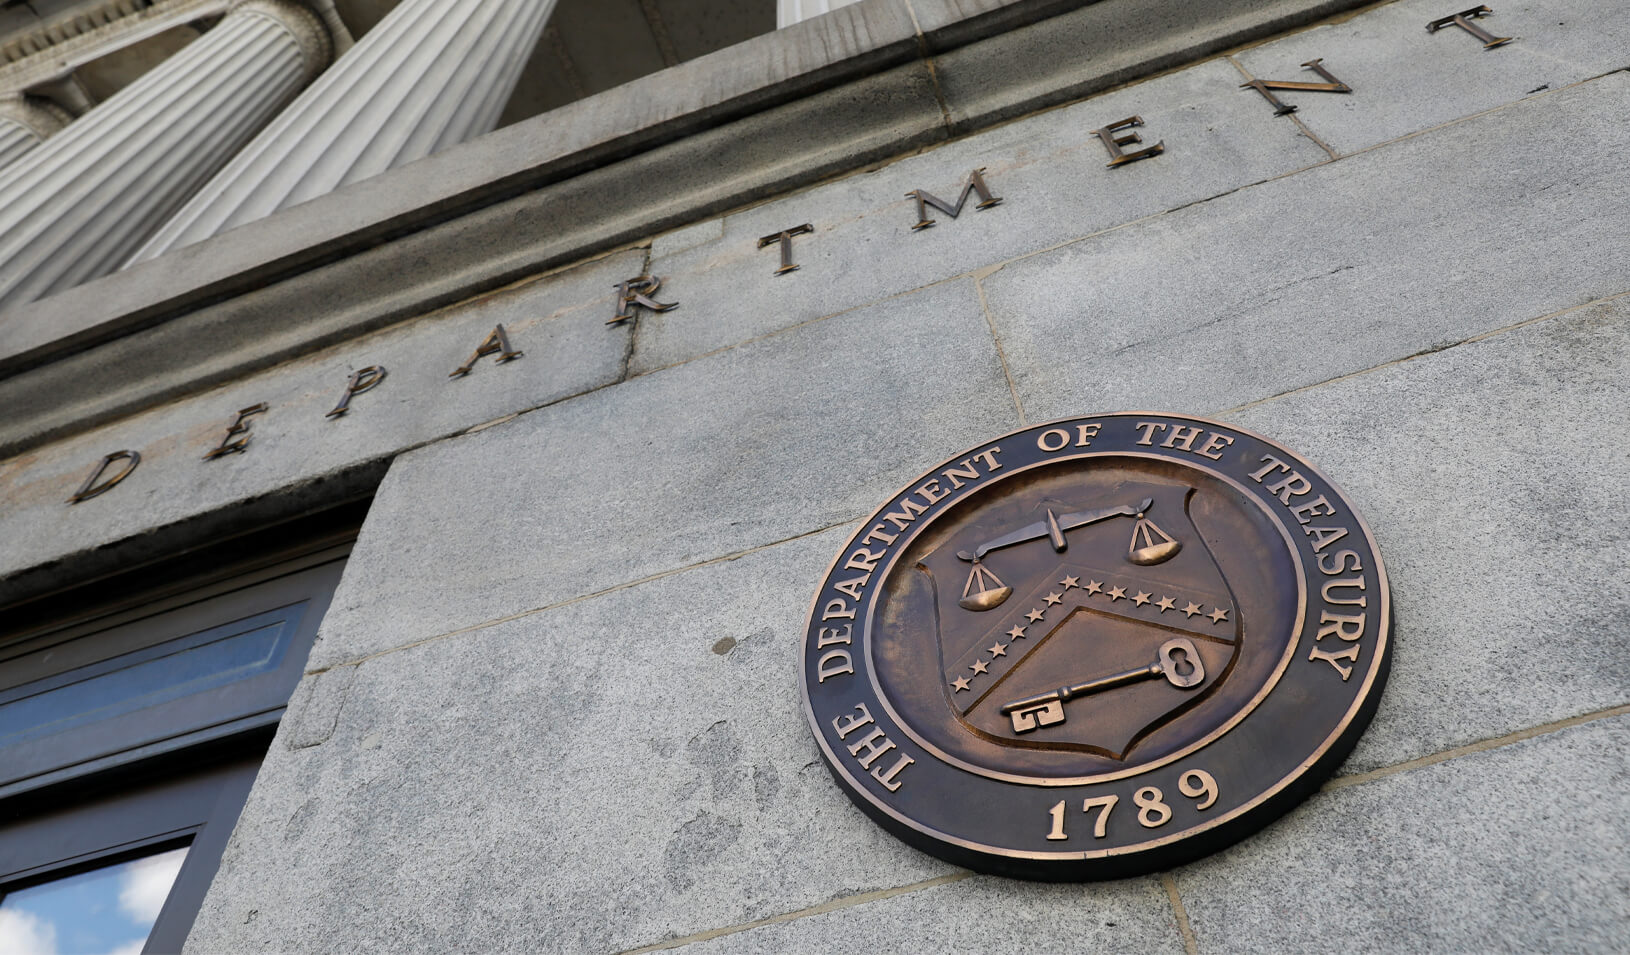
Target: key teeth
(1031, 718)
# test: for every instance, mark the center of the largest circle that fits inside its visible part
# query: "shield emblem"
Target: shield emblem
(1087, 628)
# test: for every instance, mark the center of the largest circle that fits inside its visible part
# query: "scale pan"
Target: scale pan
(985, 599)
(1154, 553)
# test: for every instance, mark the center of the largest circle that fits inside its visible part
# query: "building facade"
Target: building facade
(431, 533)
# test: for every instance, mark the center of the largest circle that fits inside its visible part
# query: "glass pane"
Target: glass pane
(106, 911)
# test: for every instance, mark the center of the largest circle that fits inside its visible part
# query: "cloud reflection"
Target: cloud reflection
(106, 911)
(24, 933)
(145, 884)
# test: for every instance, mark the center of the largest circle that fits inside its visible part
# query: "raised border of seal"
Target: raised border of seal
(946, 809)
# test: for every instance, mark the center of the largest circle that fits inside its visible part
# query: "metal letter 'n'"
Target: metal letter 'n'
(1280, 108)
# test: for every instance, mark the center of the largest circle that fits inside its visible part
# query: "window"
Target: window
(134, 712)
(110, 908)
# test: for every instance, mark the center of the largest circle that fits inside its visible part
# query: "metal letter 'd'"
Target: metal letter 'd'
(1097, 647)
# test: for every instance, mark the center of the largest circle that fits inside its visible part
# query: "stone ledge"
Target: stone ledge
(695, 140)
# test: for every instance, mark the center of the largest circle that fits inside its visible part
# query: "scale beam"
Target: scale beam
(1054, 527)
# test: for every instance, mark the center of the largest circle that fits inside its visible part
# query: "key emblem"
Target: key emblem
(1179, 662)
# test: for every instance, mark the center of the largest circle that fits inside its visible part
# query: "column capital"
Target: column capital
(309, 32)
(25, 122)
(38, 116)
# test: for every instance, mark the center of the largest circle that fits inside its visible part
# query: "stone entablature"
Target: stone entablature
(880, 79)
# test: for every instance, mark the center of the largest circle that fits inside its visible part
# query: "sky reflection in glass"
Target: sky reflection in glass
(106, 911)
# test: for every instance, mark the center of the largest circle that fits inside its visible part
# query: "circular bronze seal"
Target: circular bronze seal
(1098, 646)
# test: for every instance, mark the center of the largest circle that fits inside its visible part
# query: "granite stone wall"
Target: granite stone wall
(554, 703)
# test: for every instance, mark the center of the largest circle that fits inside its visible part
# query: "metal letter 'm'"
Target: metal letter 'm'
(1464, 19)
(976, 184)
(1280, 109)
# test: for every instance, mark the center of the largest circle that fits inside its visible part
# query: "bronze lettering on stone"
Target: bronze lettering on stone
(99, 481)
(638, 293)
(1113, 143)
(362, 380)
(1097, 647)
(236, 440)
(975, 185)
(1332, 85)
(496, 343)
(1464, 20)
(784, 240)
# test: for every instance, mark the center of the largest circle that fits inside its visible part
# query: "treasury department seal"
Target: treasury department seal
(1097, 647)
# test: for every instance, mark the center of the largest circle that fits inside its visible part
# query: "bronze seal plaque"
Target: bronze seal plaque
(1098, 646)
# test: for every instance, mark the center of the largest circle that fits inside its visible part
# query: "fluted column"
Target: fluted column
(788, 12)
(25, 123)
(432, 74)
(79, 204)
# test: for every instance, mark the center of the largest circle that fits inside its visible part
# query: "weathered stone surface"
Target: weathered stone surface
(627, 769)
(1518, 849)
(687, 238)
(1405, 80)
(1049, 170)
(745, 448)
(1300, 280)
(980, 914)
(318, 707)
(506, 756)
(557, 322)
(1498, 498)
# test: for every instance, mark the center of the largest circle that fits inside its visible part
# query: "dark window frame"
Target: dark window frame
(197, 810)
(139, 786)
(297, 601)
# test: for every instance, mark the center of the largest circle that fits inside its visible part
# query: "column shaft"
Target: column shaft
(430, 75)
(78, 205)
